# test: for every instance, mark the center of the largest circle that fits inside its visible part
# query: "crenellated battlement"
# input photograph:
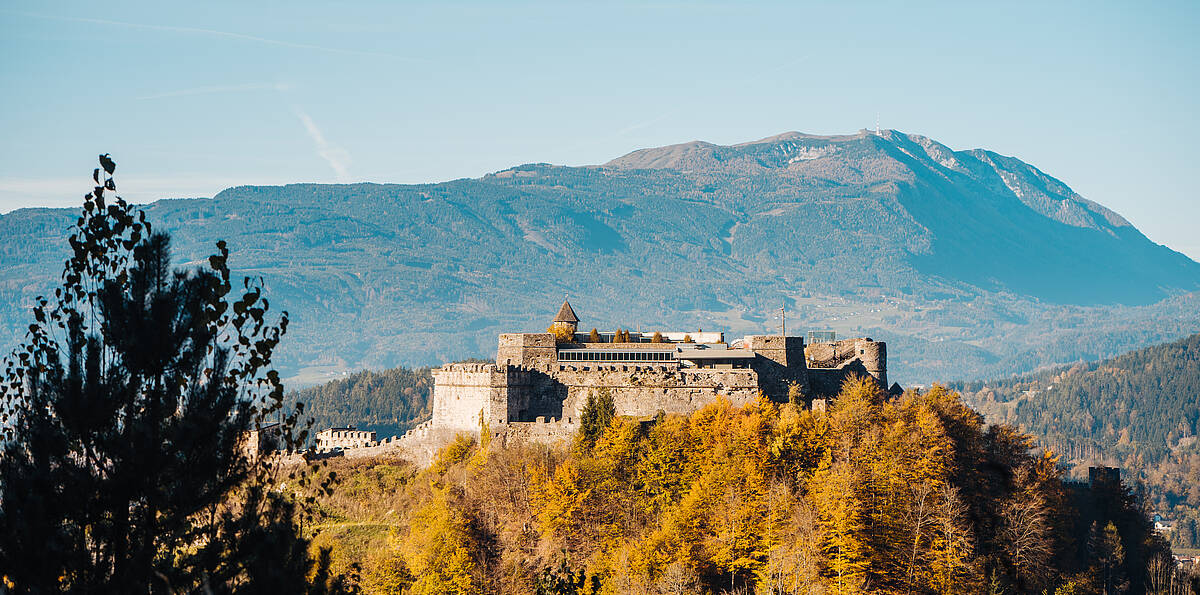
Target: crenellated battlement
(538, 386)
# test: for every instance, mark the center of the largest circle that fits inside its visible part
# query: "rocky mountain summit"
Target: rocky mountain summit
(968, 263)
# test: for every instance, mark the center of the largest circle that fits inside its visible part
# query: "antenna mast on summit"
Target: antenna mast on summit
(877, 124)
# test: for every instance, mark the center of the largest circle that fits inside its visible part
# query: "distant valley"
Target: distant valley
(970, 264)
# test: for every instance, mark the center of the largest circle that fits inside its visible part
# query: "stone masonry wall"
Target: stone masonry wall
(779, 363)
(644, 390)
(466, 394)
(845, 358)
(529, 396)
(541, 431)
(530, 350)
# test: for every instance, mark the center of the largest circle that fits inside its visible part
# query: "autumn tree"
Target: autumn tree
(562, 334)
(794, 564)
(594, 336)
(839, 505)
(881, 493)
(125, 465)
(440, 548)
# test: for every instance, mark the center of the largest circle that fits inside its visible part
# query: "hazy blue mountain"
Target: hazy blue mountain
(970, 263)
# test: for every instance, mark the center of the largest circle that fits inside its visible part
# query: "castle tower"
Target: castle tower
(566, 318)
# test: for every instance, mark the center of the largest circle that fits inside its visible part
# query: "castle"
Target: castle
(540, 382)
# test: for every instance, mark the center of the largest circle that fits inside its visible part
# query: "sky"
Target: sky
(192, 98)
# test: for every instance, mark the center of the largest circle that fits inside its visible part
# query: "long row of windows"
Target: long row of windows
(615, 356)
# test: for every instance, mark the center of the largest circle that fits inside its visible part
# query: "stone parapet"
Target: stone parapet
(539, 431)
(779, 362)
(464, 395)
(528, 395)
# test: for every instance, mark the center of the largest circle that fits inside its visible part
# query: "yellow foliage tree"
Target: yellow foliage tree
(439, 549)
(879, 493)
(559, 499)
(836, 497)
(561, 333)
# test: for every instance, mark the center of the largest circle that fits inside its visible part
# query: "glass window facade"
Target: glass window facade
(605, 355)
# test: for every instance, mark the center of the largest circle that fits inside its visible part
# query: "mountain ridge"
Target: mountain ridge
(667, 157)
(892, 235)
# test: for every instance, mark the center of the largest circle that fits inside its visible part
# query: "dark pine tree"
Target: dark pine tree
(598, 413)
(127, 412)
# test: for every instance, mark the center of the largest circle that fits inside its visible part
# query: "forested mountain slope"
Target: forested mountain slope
(969, 263)
(1139, 411)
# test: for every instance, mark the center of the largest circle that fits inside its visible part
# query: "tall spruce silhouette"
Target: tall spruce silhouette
(126, 416)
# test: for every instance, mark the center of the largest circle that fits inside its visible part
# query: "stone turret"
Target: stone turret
(566, 318)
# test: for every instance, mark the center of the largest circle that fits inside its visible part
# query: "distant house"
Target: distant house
(1162, 526)
(344, 438)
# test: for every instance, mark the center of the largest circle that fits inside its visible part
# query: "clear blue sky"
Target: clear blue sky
(194, 97)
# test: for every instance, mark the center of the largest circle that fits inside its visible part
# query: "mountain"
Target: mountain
(1139, 411)
(970, 263)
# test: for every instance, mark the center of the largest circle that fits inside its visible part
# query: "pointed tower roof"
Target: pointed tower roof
(566, 314)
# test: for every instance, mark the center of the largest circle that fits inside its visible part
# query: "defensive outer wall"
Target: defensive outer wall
(540, 383)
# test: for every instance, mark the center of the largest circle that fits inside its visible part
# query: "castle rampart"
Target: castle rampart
(538, 387)
(831, 363)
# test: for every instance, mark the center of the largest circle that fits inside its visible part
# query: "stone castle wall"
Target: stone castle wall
(540, 431)
(530, 350)
(528, 395)
(780, 362)
(830, 364)
(644, 390)
(466, 394)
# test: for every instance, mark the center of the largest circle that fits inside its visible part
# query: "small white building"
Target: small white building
(344, 438)
(1162, 526)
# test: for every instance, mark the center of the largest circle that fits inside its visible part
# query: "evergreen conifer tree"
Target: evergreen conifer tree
(127, 409)
(598, 412)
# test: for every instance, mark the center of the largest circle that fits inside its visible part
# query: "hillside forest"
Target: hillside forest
(1139, 411)
(388, 402)
(905, 494)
